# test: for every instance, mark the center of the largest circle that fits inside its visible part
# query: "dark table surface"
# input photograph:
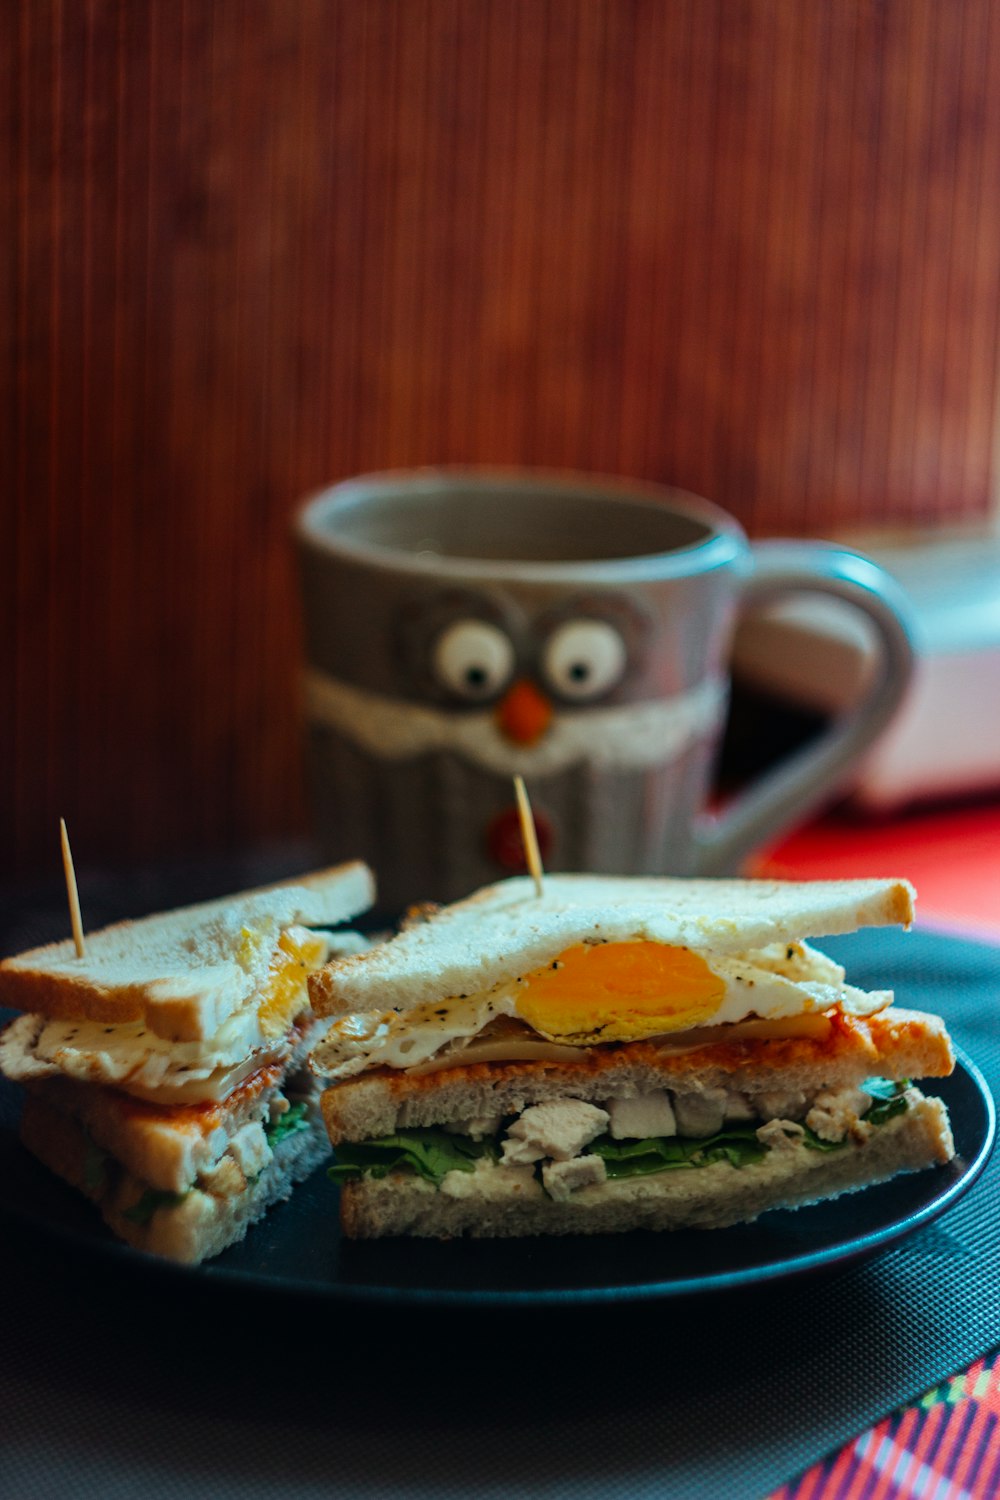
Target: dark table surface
(114, 1382)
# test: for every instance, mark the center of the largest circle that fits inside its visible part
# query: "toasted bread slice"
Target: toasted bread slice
(507, 930)
(183, 972)
(500, 1202)
(168, 1145)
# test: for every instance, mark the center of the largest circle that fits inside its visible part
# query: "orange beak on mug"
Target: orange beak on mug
(523, 713)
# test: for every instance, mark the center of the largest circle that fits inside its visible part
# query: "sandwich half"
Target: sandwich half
(617, 1054)
(165, 1070)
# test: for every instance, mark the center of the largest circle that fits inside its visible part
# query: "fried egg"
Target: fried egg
(596, 993)
(298, 954)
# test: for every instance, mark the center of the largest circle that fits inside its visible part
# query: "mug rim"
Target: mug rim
(725, 540)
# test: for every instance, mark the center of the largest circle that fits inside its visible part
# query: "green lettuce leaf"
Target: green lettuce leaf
(885, 1088)
(738, 1146)
(293, 1120)
(430, 1153)
(817, 1143)
(886, 1109)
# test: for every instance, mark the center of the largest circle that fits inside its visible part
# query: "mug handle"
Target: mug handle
(784, 795)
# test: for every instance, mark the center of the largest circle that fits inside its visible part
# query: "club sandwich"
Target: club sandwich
(164, 1070)
(617, 1053)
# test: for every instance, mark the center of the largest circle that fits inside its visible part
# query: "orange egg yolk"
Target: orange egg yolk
(611, 992)
(298, 953)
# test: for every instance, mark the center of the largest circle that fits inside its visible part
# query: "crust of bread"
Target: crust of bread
(893, 1043)
(707, 1198)
(507, 929)
(201, 1225)
(175, 963)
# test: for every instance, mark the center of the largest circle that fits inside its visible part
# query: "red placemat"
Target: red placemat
(946, 1446)
(952, 856)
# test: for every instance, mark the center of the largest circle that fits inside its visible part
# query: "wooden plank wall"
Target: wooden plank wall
(749, 246)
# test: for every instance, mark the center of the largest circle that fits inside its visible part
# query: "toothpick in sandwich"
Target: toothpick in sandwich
(71, 891)
(528, 835)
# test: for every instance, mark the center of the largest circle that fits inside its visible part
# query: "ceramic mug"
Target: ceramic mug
(464, 626)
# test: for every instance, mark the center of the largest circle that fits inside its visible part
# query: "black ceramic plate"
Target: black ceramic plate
(297, 1249)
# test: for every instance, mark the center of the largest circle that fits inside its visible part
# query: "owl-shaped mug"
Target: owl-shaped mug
(462, 626)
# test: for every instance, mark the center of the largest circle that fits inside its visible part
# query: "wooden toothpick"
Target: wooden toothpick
(528, 834)
(71, 890)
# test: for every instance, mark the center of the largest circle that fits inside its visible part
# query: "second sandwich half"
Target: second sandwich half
(164, 1070)
(621, 1053)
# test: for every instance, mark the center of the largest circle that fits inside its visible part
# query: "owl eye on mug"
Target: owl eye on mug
(473, 659)
(583, 659)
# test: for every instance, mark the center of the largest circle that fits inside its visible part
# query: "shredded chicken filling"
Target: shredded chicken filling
(568, 1145)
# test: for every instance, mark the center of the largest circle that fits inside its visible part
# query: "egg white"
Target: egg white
(769, 983)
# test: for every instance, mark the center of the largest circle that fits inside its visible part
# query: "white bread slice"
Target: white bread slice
(893, 1043)
(200, 1225)
(506, 930)
(182, 972)
(497, 1202)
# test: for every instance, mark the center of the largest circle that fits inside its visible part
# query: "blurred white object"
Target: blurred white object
(817, 654)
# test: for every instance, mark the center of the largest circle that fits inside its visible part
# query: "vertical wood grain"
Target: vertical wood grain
(747, 246)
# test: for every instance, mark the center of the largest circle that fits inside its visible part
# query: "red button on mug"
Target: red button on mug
(505, 845)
